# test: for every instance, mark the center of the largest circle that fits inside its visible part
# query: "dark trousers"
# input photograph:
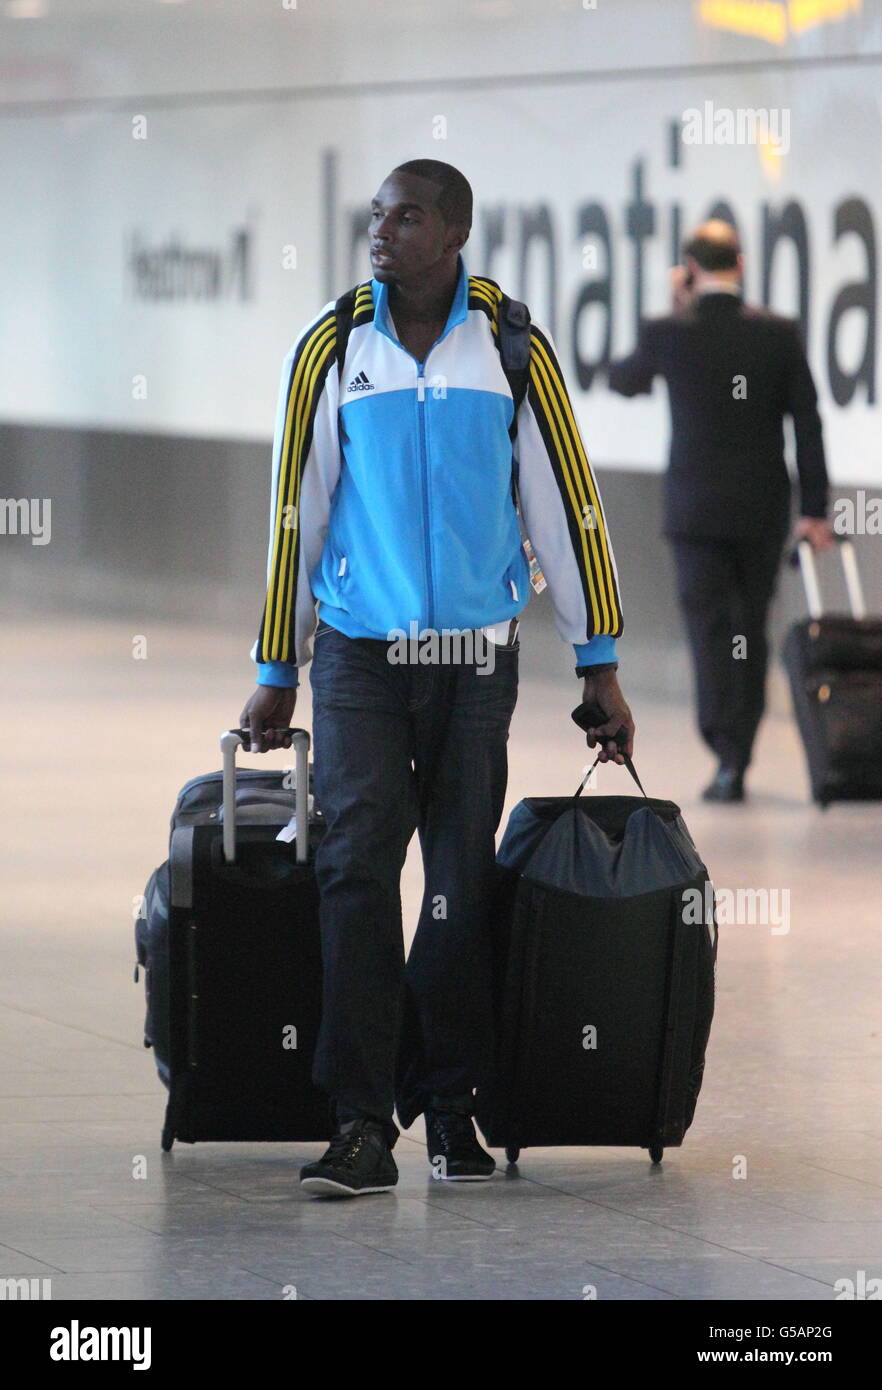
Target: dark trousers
(725, 587)
(398, 748)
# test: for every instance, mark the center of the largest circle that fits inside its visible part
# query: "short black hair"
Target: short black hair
(455, 196)
(712, 253)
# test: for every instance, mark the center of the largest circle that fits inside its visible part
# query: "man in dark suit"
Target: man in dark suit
(733, 373)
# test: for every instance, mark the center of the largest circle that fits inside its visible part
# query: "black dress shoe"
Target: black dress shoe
(453, 1148)
(358, 1161)
(728, 785)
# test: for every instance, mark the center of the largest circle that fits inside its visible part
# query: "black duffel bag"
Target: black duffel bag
(605, 953)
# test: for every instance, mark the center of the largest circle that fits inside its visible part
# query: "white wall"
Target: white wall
(77, 187)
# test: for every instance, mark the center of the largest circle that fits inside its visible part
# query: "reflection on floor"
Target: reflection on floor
(97, 744)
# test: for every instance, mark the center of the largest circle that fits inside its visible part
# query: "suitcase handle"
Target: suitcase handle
(230, 742)
(803, 555)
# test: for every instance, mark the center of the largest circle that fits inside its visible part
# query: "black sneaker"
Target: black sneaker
(453, 1148)
(358, 1161)
(726, 787)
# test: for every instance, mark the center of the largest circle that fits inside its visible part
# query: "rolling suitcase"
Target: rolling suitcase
(834, 664)
(605, 949)
(199, 802)
(229, 938)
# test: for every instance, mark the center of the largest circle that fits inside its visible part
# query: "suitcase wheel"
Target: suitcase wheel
(168, 1138)
(656, 1153)
(512, 1155)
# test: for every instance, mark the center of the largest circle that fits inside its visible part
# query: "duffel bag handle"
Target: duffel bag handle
(230, 742)
(587, 716)
(628, 764)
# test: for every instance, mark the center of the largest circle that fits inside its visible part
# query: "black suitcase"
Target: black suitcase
(229, 939)
(605, 949)
(834, 664)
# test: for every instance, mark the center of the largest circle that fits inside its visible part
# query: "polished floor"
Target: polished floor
(776, 1193)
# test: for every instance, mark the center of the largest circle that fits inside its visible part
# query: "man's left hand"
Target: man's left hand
(816, 530)
(603, 690)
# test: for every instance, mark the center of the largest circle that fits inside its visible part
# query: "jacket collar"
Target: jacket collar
(458, 310)
(716, 299)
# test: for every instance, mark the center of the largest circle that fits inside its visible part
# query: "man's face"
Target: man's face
(408, 236)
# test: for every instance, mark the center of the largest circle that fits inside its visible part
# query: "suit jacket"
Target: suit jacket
(727, 475)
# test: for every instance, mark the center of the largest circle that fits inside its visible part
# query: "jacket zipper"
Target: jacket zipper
(424, 466)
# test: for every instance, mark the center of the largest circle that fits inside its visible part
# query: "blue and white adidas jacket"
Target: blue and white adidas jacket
(391, 488)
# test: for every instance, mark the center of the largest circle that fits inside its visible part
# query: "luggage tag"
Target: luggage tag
(537, 578)
(288, 833)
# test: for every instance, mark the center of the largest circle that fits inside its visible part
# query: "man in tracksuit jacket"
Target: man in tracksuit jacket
(393, 516)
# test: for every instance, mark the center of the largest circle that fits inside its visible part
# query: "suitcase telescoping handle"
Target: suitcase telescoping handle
(230, 742)
(805, 557)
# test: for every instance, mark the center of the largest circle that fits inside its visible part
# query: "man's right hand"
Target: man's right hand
(681, 289)
(269, 708)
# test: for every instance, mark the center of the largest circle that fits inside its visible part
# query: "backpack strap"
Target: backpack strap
(514, 350)
(344, 310)
(514, 345)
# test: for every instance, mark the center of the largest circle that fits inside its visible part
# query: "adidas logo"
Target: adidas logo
(361, 383)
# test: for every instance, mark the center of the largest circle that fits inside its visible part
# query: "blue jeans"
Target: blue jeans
(400, 747)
